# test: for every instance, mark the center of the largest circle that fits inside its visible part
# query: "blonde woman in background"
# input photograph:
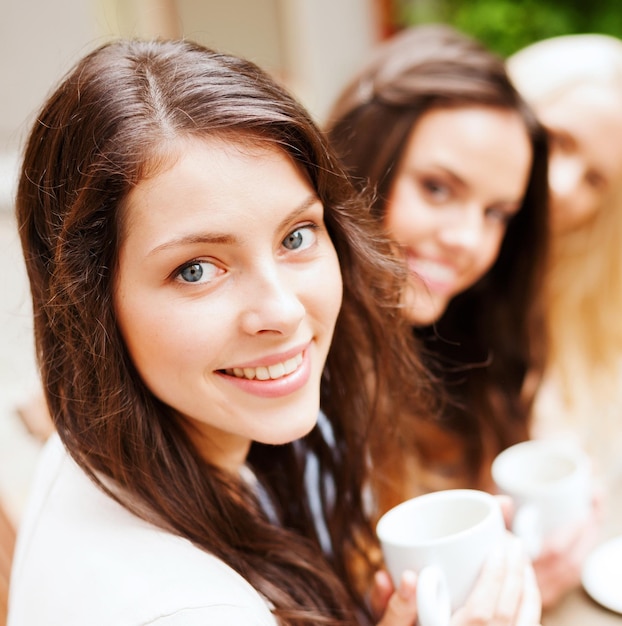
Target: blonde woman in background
(574, 83)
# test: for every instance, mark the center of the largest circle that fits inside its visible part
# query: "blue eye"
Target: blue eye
(192, 273)
(197, 272)
(300, 238)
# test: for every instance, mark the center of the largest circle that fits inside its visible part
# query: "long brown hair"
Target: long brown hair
(102, 131)
(490, 336)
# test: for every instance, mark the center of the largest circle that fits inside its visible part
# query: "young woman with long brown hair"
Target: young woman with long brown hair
(458, 163)
(204, 280)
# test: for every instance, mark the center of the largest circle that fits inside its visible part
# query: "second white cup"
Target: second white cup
(550, 483)
(445, 537)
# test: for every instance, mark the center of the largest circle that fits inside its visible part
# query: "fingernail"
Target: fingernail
(408, 585)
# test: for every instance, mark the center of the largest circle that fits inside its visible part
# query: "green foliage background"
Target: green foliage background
(508, 25)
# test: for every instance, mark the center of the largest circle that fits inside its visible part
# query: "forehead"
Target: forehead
(473, 142)
(181, 163)
(468, 124)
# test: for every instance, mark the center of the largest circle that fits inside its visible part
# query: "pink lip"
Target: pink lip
(280, 387)
(273, 359)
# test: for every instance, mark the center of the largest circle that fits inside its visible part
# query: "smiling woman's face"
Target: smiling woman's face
(585, 127)
(227, 294)
(461, 179)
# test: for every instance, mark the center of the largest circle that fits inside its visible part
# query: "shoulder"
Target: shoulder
(80, 554)
(215, 615)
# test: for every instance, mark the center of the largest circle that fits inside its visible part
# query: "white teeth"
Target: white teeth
(262, 373)
(276, 371)
(273, 372)
(432, 270)
(291, 364)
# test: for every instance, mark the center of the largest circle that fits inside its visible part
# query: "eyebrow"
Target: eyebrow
(458, 180)
(455, 177)
(226, 238)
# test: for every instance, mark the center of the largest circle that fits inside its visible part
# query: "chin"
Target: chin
(423, 309)
(420, 320)
(420, 313)
(296, 429)
(276, 440)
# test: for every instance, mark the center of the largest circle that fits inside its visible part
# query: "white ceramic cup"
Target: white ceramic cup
(550, 483)
(445, 537)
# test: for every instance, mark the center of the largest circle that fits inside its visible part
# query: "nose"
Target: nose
(271, 303)
(464, 231)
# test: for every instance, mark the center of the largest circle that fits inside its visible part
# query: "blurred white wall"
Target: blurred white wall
(310, 45)
(325, 41)
(38, 41)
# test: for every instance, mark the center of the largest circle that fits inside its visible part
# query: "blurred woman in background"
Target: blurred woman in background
(574, 84)
(458, 163)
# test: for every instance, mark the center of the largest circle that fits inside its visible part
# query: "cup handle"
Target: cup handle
(433, 603)
(527, 526)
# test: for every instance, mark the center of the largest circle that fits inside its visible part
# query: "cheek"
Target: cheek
(160, 336)
(573, 210)
(329, 290)
(404, 217)
(320, 290)
(149, 337)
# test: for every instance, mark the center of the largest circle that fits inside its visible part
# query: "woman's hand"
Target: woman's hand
(506, 593)
(558, 567)
(398, 608)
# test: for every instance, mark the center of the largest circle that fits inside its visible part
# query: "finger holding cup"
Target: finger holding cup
(445, 537)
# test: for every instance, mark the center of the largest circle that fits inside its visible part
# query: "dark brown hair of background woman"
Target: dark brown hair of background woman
(489, 341)
(105, 129)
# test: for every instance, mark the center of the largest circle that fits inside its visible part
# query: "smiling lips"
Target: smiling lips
(436, 275)
(269, 372)
(276, 380)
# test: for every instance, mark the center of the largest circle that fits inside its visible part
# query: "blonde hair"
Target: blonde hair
(550, 67)
(583, 286)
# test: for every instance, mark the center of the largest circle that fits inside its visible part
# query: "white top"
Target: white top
(82, 559)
